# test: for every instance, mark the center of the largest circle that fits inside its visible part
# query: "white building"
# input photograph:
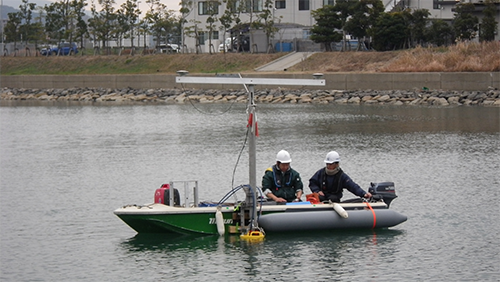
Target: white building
(444, 9)
(294, 19)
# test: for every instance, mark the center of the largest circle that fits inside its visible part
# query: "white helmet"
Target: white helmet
(332, 157)
(283, 157)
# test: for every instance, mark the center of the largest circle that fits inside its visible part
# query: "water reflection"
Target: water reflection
(334, 246)
(160, 242)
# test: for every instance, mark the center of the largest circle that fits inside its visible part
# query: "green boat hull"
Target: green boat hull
(179, 224)
(160, 218)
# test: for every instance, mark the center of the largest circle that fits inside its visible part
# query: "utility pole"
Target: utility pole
(1, 28)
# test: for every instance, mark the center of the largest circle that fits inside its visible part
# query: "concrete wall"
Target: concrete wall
(338, 81)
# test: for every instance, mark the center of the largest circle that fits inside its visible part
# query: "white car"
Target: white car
(225, 47)
(169, 48)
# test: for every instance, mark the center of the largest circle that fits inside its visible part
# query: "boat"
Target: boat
(255, 215)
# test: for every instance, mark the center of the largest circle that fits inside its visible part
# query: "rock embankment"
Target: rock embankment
(489, 97)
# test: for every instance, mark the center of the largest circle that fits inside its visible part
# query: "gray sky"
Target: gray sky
(171, 4)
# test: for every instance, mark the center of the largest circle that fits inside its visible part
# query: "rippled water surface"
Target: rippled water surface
(64, 168)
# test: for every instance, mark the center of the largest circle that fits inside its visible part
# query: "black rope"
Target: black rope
(239, 156)
(208, 113)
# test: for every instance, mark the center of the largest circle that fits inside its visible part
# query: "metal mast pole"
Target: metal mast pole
(2, 27)
(252, 154)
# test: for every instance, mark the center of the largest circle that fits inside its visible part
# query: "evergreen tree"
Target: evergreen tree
(464, 22)
(365, 13)
(344, 10)
(439, 33)
(327, 22)
(488, 24)
(389, 32)
(418, 26)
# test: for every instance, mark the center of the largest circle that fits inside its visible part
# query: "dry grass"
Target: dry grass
(345, 62)
(463, 57)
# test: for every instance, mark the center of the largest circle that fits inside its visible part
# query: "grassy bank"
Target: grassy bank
(460, 58)
(139, 64)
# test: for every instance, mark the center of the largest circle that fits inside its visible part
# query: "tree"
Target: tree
(38, 28)
(80, 27)
(324, 31)
(55, 21)
(266, 22)
(488, 24)
(185, 10)
(11, 29)
(142, 29)
(212, 12)
(418, 26)
(65, 20)
(250, 7)
(389, 32)
(159, 19)
(464, 22)
(226, 20)
(364, 14)
(193, 31)
(344, 9)
(102, 23)
(26, 11)
(128, 15)
(439, 33)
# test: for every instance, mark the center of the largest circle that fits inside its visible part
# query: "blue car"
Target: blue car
(63, 49)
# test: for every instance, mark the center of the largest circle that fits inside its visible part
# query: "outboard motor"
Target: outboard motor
(384, 191)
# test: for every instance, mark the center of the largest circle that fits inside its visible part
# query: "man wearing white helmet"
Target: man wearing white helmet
(330, 181)
(281, 183)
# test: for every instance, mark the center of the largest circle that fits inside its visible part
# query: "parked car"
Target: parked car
(226, 46)
(63, 49)
(46, 50)
(244, 46)
(169, 48)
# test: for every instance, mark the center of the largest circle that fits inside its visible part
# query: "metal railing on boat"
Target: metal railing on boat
(187, 184)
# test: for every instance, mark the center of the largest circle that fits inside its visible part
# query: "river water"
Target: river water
(64, 168)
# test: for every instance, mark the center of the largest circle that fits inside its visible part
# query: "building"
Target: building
(294, 20)
(445, 9)
(292, 17)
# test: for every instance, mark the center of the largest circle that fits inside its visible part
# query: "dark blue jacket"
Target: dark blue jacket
(334, 184)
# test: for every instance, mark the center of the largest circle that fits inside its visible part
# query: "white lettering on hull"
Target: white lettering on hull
(226, 221)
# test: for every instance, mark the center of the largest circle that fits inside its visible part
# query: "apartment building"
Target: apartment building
(294, 20)
(293, 17)
(445, 9)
